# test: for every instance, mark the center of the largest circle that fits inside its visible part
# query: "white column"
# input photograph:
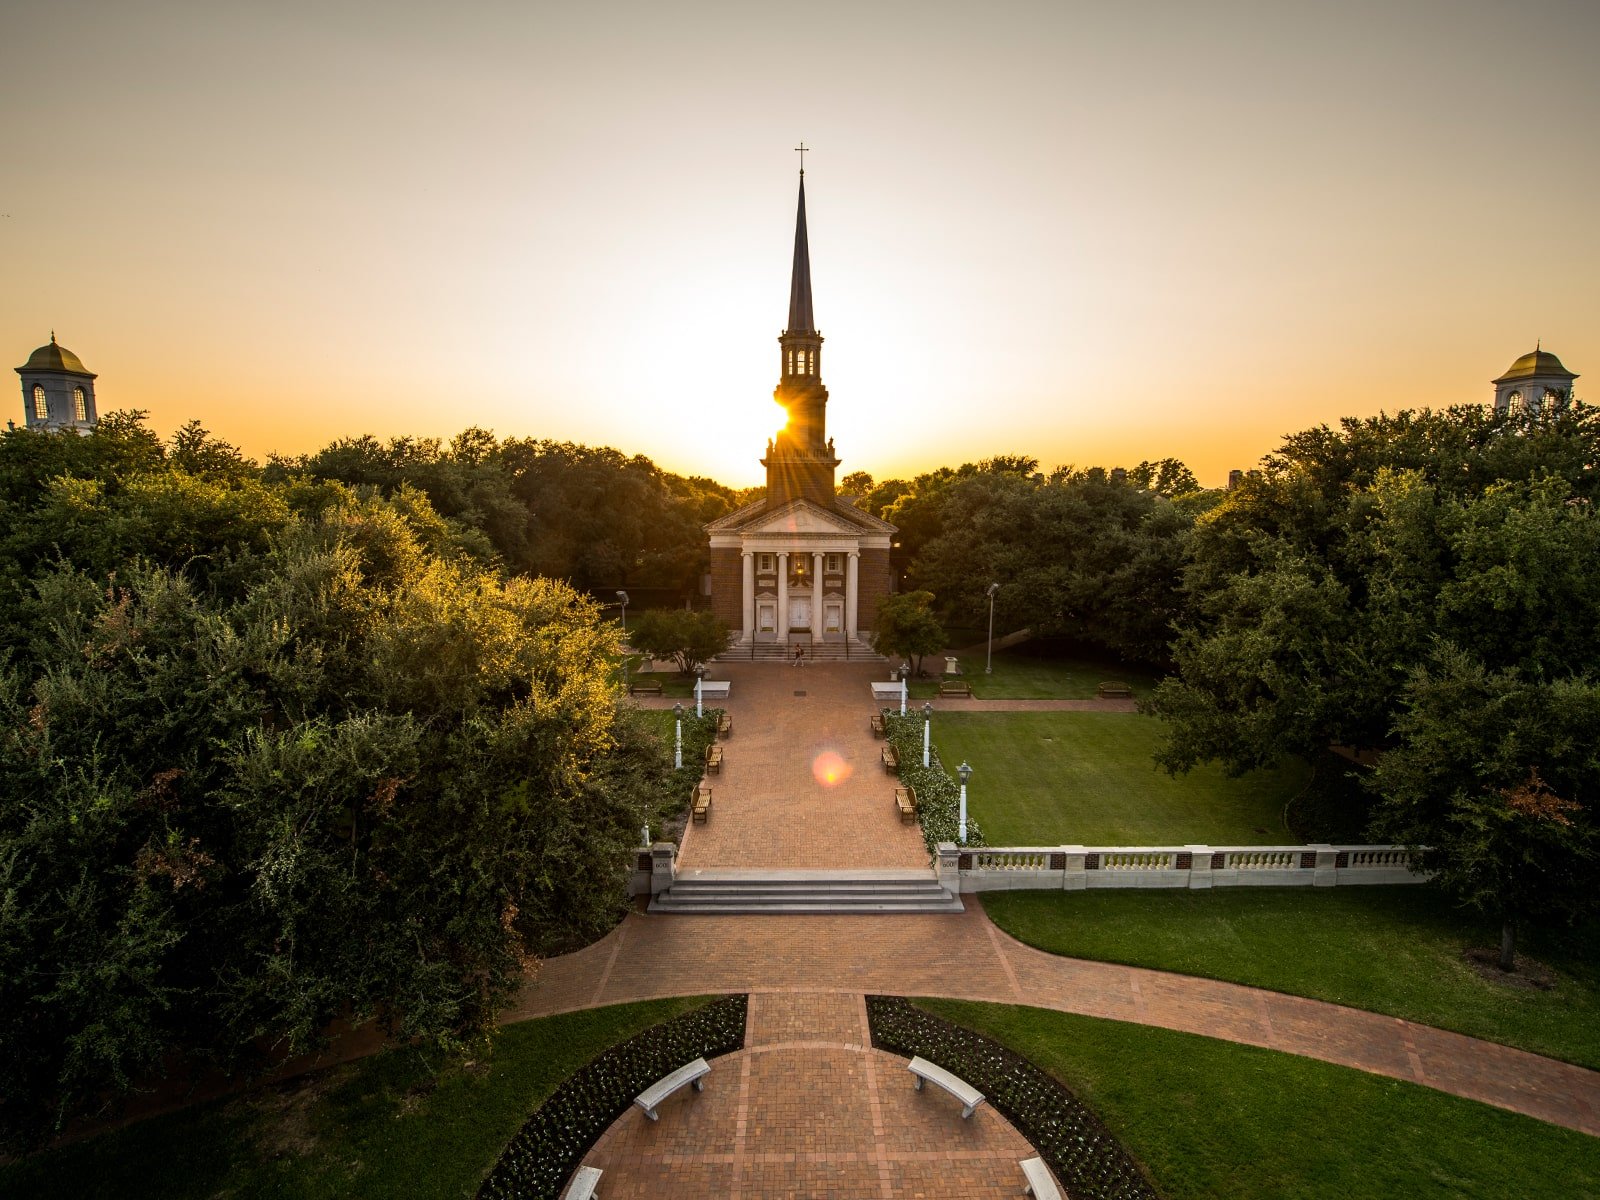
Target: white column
(747, 596)
(783, 597)
(816, 598)
(852, 581)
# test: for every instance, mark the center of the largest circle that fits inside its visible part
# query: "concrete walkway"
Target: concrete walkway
(966, 957)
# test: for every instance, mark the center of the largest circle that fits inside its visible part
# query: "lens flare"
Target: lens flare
(829, 768)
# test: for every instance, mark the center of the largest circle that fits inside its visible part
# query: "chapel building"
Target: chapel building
(803, 566)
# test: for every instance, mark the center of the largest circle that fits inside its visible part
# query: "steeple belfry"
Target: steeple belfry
(802, 566)
(800, 460)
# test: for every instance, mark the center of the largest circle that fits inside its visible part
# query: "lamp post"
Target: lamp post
(677, 737)
(988, 658)
(699, 678)
(905, 671)
(623, 596)
(965, 772)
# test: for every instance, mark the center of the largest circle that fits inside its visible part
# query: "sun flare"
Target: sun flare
(830, 769)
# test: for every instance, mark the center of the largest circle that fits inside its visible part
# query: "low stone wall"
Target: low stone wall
(1075, 868)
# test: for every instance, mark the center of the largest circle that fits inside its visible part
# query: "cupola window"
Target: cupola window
(80, 411)
(41, 406)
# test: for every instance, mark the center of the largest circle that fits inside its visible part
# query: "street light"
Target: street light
(623, 596)
(988, 660)
(965, 772)
(699, 678)
(927, 727)
(905, 672)
(677, 738)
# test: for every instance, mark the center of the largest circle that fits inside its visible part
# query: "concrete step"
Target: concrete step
(707, 892)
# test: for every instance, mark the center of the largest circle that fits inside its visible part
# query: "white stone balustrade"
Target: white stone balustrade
(1075, 868)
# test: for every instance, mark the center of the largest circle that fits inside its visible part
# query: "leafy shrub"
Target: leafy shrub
(1080, 1150)
(938, 795)
(539, 1160)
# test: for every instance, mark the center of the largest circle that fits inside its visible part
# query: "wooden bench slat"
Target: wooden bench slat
(694, 1072)
(963, 1091)
(1041, 1184)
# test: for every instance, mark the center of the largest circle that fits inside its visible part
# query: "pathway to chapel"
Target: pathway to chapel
(801, 783)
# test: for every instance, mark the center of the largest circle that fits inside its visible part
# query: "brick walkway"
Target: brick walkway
(966, 957)
(809, 1109)
(775, 802)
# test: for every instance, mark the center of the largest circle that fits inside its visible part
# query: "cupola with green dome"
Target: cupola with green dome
(1535, 380)
(57, 389)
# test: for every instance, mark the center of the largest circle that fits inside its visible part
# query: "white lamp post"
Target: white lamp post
(623, 596)
(988, 659)
(905, 670)
(699, 678)
(927, 726)
(677, 737)
(965, 772)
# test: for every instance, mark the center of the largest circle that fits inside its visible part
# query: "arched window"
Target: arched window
(1514, 402)
(41, 406)
(80, 411)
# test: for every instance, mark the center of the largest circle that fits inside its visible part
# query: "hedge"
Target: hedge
(938, 795)
(538, 1161)
(1082, 1152)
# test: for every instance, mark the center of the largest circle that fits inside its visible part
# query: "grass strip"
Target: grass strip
(1215, 1119)
(1393, 950)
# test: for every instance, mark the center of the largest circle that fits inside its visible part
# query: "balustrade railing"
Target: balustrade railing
(1075, 867)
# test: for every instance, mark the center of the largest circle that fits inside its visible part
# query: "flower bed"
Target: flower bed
(938, 795)
(538, 1161)
(1080, 1150)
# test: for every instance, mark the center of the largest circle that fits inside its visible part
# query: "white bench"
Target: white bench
(583, 1184)
(715, 689)
(963, 1091)
(886, 693)
(658, 1091)
(1040, 1182)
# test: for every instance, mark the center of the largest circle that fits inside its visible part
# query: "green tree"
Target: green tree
(688, 637)
(1495, 775)
(907, 628)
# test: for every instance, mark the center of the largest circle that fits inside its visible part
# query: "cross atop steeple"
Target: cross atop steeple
(801, 150)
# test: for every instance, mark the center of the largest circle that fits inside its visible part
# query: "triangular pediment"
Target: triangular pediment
(800, 516)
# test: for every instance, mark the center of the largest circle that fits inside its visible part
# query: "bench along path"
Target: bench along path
(964, 956)
(808, 1108)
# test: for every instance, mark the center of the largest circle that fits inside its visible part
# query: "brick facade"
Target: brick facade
(872, 586)
(726, 586)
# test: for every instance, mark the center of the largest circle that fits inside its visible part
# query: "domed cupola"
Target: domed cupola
(57, 389)
(1535, 380)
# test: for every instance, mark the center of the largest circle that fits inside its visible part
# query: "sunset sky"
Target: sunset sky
(1093, 234)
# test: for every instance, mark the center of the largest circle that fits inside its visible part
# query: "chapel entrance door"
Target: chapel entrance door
(799, 612)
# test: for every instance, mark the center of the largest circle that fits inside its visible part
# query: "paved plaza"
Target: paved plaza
(808, 1109)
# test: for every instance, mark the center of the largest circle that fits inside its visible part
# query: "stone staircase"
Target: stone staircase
(714, 892)
(855, 650)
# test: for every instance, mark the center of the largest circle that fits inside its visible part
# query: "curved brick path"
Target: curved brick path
(966, 957)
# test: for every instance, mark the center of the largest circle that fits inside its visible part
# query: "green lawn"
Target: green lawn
(1393, 950)
(1029, 677)
(1215, 1119)
(1048, 779)
(383, 1127)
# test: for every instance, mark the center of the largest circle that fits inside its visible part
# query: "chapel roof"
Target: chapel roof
(1538, 362)
(55, 357)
